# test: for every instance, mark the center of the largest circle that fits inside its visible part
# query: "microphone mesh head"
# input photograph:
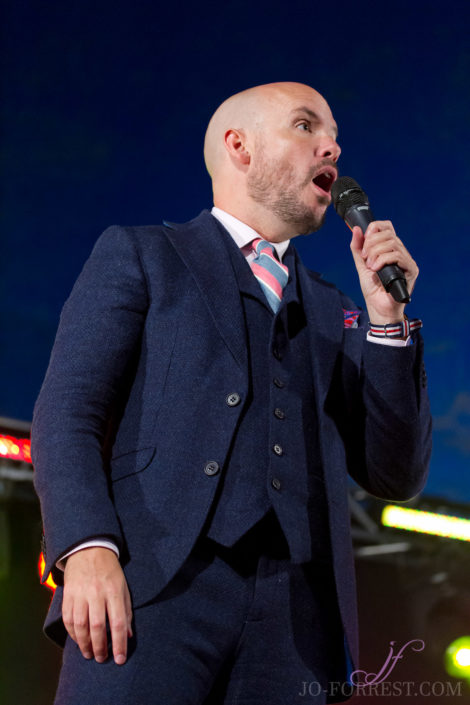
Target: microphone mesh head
(345, 193)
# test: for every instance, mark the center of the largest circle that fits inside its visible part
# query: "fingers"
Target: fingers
(129, 615)
(95, 595)
(357, 246)
(97, 630)
(119, 624)
(75, 618)
(357, 242)
(380, 237)
(382, 246)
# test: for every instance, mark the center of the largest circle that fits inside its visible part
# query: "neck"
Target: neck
(269, 226)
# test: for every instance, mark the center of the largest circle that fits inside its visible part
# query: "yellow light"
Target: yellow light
(457, 658)
(426, 522)
(462, 657)
(41, 567)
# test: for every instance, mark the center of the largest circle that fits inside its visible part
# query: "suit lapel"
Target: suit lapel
(202, 247)
(323, 312)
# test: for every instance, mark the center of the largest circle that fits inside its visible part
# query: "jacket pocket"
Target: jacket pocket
(131, 463)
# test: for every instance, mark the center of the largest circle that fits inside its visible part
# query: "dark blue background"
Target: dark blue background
(104, 109)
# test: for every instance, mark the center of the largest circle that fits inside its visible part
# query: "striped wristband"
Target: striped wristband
(395, 330)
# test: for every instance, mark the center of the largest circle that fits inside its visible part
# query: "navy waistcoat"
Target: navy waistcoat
(274, 461)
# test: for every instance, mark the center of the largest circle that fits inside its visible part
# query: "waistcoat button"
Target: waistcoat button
(276, 483)
(278, 382)
(212, 468)
(278, 449)
(233, 399)
(279, 414)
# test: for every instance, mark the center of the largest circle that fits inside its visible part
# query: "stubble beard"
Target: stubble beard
(282, 196)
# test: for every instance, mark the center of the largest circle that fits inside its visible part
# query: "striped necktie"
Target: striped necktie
(271, 274)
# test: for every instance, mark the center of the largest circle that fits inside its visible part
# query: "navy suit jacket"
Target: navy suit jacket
(133, 406)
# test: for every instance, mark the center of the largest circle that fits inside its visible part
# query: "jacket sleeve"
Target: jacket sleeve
(99, 332)
(385, 418)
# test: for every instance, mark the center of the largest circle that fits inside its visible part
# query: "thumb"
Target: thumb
(357, 243)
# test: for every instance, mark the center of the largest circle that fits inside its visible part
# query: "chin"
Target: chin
(311, 223)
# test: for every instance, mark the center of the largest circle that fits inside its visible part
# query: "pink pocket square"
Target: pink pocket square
(350, 318)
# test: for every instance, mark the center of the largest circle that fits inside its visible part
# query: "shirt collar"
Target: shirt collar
(242, 233)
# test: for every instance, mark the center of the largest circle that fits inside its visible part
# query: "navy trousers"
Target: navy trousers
(239, 625)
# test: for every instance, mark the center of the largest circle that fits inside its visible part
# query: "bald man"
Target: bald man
(206, 398)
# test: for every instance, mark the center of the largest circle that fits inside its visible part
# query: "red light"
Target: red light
(41, 565)
(15, 448)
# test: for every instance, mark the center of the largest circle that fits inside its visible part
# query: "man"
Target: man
(196, 425)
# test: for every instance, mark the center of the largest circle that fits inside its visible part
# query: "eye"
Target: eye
(304, 125)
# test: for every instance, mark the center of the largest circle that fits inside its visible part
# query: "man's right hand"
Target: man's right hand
(95, 588)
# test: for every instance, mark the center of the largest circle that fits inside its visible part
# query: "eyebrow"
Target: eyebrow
(311, 115)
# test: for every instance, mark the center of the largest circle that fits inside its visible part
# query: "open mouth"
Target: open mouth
(325, 180)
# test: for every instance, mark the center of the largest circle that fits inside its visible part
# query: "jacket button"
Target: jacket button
(278, 449)
(279, 414)
(278, 382)
(233, 399)
(424, 377)
(276, 483)
(277, 353)
(212, 468)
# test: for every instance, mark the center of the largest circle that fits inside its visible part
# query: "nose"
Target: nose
(328, 148)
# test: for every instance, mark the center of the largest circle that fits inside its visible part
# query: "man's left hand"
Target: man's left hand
(378, 247)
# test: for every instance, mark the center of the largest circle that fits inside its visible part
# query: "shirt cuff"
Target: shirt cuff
(98, 542)
(389, 341)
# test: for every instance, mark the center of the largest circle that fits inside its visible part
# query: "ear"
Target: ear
(235, 144)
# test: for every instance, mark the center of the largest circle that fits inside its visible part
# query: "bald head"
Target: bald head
(246, 112)
(263, 147)
(240, 112)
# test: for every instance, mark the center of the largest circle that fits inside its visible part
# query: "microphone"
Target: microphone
(352, 204)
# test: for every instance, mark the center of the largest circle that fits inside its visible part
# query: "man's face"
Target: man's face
(293, 160)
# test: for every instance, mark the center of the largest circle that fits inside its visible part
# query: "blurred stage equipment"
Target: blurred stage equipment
(413, 561)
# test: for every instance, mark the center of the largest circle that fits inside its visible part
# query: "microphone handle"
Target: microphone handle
(392, 276)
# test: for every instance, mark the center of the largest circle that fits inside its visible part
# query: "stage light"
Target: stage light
(49, 582)
(462, 657)
(15, 448)
(426, 522)
(457, 658)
